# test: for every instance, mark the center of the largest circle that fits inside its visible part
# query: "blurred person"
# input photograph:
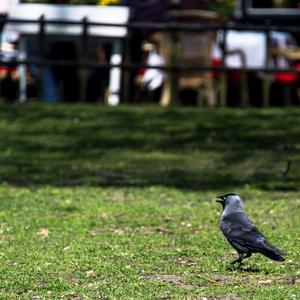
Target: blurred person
(286, 82)
(9, 75)
(143, 11)
(61, 82)
(151, 80)
(97, 82)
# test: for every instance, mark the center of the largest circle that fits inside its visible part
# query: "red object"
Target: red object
(141, 71)
(218, 63)
(5, 70)
(287, 78)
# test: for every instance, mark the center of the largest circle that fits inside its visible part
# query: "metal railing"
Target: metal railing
(173, 28)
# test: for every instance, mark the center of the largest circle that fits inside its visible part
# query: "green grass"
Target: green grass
(117, 203)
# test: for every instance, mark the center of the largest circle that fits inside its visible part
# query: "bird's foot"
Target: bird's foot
(240, 266)
(239, 261)
(233, 266)
(236, 264)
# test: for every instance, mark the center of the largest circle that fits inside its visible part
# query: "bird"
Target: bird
(241, 233)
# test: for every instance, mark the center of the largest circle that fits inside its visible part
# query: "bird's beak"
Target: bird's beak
(220, 200)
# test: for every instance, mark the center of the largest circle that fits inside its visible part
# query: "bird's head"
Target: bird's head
(231, 200)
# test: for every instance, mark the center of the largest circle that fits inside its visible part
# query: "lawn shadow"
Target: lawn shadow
(243, 268)
(197, 149)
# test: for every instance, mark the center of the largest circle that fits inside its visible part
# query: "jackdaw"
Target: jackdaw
(241, 233)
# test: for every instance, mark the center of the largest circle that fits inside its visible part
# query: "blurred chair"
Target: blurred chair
(196, 49)
(285, 54)
(189, 48)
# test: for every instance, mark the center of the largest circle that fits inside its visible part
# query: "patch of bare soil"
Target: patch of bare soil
(175, 280)
(225, 278)
(290, 280)
(151, 230)
(188, 261)
(224, 297)
(219, 279)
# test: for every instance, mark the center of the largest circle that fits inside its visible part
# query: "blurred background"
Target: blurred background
(121, 121)
(183, 52)
(120, 62)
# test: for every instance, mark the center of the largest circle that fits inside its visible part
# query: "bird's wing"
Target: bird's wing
(239, 229)
(244, 236)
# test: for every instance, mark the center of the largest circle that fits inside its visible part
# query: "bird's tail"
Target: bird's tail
(272, 252)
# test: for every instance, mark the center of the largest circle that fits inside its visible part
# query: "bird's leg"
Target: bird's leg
(239, 260)
(248, 254)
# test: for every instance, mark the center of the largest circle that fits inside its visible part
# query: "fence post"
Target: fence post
(174, 55)
(22, 70)
(223, 78)
(267, 75)
(126, 72)
(41, 56)
(244, 91)
(115, 74)
(2, 22)
(83, 71)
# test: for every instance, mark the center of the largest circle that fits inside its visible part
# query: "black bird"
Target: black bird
(241, 233)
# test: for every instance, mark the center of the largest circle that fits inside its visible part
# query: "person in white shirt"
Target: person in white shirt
(150, 80)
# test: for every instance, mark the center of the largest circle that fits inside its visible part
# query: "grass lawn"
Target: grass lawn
(117, 203)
